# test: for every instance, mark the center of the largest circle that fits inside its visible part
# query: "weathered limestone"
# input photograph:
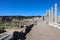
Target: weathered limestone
(52, 16)
(56, 16)
(46, 16)
(52, 13)
(49, 16)
(56, 13)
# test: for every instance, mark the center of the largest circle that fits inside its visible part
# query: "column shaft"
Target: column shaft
(52, 17)
(49, 16)
(56, 14)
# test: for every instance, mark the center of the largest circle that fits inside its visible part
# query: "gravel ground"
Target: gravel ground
(43, 31)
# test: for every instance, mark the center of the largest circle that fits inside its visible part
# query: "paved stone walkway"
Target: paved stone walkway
(43, 31)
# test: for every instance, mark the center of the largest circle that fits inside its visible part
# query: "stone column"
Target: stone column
(56, 13)
(49, 16)
(52, 13)
(46, 16)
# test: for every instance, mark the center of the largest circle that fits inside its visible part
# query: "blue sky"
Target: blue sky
(26, 7)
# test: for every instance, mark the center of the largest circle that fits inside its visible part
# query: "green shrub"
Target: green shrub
(2, 28)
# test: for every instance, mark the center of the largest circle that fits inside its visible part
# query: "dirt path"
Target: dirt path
(43, 31)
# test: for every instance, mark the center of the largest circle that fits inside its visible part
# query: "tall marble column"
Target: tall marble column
(46, 16)
(56, 13)
(52, 13)
(49, 16)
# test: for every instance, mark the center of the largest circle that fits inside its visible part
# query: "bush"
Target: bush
(2, 28)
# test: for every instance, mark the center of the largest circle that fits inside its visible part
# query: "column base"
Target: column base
(55, 24)
(50, 23)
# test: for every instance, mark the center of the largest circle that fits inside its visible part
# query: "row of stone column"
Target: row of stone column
(52, 14)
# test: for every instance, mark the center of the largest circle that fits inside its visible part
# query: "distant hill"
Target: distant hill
(9, 18)
(20, 16)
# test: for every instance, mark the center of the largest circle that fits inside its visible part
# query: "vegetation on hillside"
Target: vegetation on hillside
(2, 24)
